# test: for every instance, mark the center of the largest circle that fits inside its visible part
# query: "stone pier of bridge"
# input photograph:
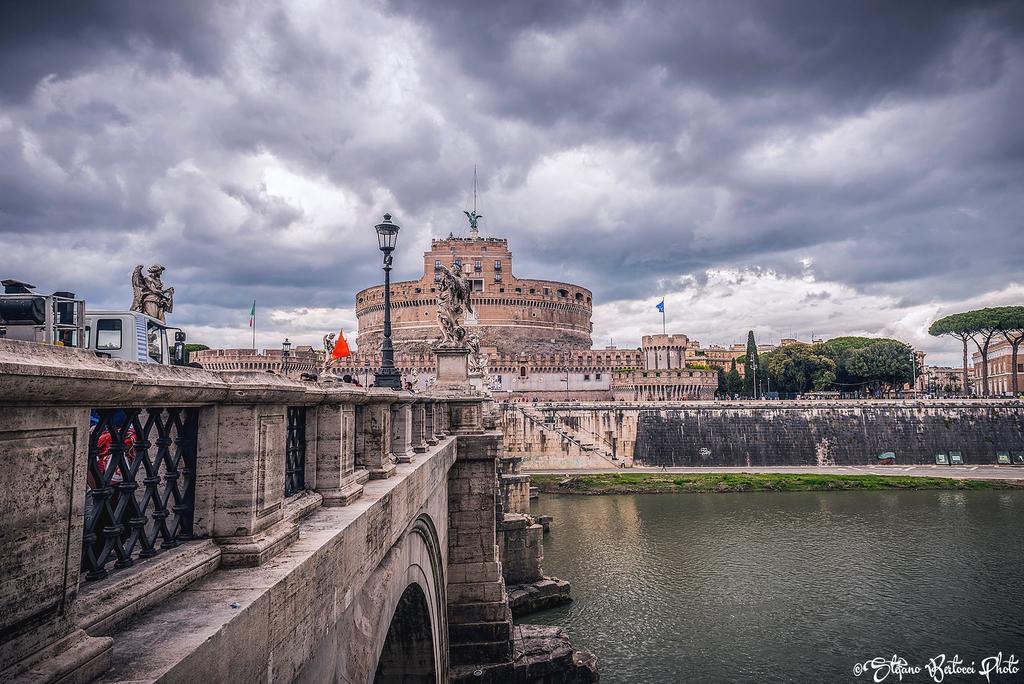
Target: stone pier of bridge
(179, 525)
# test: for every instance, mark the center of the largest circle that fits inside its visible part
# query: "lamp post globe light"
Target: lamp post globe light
(286, 350)
(388, 376)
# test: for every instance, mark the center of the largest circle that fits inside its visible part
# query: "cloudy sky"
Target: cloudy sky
(791, 167)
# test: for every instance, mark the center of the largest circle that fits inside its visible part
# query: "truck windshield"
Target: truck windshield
(108, 334)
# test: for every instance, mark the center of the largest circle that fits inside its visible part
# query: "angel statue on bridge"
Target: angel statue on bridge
(149, 295)
(453, 302)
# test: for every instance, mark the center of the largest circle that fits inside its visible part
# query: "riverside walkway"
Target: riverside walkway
(965, 472)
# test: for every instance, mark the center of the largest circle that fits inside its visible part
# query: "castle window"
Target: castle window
(547, 291)
(497, 264)
(437, 263)
(458, 262)
(579, 297)
(563, 293)
(419, 290)
(522, 371)
(477, 265)
(501, 289)
(586, 376)
(533, 291)
(497, 277)
(437, 279)
(597, 376)
(519, 290)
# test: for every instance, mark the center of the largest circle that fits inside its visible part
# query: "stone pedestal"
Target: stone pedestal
(429, 425)
(401, 433)
(44, 452)
(377, 440)
(452, 368)
(337, 479)
(466, 417)
(419, 424)
(248, 521)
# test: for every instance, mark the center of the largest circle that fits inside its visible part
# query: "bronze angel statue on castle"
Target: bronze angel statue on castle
(149, 295)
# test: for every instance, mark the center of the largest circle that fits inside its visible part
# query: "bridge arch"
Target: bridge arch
(408, 654)
(412, 646)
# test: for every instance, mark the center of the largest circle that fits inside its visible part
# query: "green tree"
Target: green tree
(884, 362)
(799, 367)
(723, 383)
(751, 367)
(735, 384)
(839, 349)
(953, 326)
(980, 326)
(193, 347)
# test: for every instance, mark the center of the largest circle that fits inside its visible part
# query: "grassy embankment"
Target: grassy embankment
(667, 483)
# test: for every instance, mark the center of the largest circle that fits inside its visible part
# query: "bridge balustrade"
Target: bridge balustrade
(125, 482)
(140, 487)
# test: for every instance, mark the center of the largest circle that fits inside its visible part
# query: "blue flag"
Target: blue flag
(661, 305)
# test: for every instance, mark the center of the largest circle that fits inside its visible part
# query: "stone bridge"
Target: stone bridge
(179, 525)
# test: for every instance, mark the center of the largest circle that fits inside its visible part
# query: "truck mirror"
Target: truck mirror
(180, 355)
(179, 336)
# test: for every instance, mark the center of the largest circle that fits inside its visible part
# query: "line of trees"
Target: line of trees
(981, 326)
(844, 364)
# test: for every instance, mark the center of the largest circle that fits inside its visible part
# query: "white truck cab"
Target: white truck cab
(132, 336)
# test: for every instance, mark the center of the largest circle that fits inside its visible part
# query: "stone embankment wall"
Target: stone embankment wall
(547, 445)
(772, 433)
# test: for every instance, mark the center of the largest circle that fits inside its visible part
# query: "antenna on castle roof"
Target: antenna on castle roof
(473, 217)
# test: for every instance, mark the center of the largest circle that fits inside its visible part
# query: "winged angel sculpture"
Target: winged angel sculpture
(453, 303)
(149, 295)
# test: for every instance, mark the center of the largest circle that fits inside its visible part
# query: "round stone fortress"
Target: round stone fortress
(514, 315)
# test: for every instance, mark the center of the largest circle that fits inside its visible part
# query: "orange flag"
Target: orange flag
(340, 347)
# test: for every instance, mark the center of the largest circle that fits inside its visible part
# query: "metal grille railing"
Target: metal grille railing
(140, 485)
(295, 451)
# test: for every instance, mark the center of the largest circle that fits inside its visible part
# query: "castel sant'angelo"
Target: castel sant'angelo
(535, 334)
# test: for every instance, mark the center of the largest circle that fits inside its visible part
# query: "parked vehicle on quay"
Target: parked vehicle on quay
(62, 319)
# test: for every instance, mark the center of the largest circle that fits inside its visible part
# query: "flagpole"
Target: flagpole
(254, 325)
(663, 317)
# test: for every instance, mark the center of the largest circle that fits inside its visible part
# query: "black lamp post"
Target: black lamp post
(388, 375)
(286, 349)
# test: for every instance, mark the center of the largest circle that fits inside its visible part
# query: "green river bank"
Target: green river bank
(669, 483)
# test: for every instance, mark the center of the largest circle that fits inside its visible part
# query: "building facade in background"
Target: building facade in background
(302, 359)
(1000, 369)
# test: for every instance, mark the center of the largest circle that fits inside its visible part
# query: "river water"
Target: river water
(787, 587)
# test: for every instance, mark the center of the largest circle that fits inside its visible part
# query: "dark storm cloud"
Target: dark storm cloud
(627, 146)
(63, 38)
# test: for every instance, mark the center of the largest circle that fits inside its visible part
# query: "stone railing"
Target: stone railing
(109, 466)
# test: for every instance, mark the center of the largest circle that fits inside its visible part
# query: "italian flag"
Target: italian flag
(252, 314)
